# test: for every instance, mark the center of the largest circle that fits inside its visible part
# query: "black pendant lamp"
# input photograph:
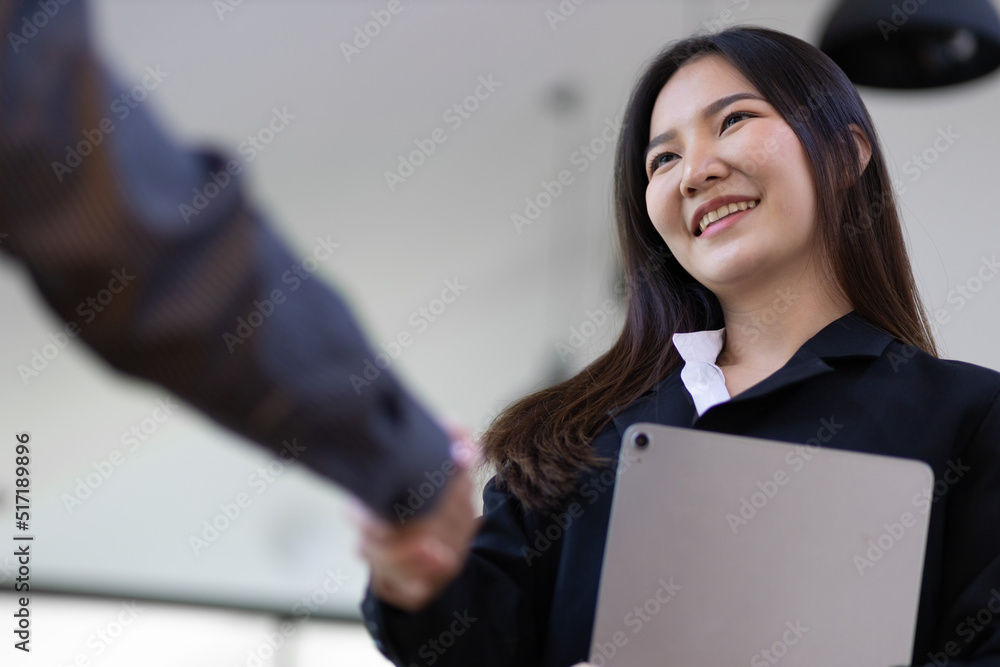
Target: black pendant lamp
(913, 43)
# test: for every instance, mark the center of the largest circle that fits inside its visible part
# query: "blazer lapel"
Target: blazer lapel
(670, 403)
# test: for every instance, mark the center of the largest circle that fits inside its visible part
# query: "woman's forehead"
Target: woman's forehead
(695, 85)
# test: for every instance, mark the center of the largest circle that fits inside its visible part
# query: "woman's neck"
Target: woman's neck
(766, 326)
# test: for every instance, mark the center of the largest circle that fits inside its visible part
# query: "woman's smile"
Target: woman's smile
(719, 210)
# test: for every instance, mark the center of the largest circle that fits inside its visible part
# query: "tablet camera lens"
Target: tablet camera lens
(641, 440)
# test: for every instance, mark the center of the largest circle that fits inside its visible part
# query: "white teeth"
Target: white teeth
(723, 211)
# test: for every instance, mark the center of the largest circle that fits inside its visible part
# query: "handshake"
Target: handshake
(413, 561)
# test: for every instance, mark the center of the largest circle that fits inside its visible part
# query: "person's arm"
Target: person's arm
(493, 614)
(91, 210)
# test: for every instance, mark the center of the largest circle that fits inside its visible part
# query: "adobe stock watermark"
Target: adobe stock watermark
(120, 110)
(766, 490)
(650, 272)
(901, 13)
(637, 619)
(968, 629)
(893, 532)
(760, 156)
(958, 297)
(581, 158)
(230, 511)
(591, 491)
(594, 322)
(294, 276)
(309, 604)
(915, 167)
(8, 569)
(801, 114)
(434, 649)
(30, 25)
(225, 7)
(436, 479)
(953, 474)
(272, 642)
(767, 318)
(890, 536)
(725, 18)
(966, 291)
(920, 163)
(249, 149)
(131, 439)
(455, 116)
(772, 655)
(364, 34)
(544, 539)
(103, 638)
(87, 309)
(420, 319)
(562, 12)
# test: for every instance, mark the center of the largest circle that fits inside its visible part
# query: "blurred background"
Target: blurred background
(421, 157)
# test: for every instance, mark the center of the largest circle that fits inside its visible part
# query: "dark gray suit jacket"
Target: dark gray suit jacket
(101, 206)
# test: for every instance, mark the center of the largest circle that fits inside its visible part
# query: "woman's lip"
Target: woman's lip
(716, 204)
(721, 225)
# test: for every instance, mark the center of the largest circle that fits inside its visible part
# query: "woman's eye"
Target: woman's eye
(735, 116)
(660, 160)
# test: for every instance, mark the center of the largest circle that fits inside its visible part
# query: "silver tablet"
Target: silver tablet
(726, 550)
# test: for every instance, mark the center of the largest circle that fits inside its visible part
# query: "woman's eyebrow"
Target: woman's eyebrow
(706, 113)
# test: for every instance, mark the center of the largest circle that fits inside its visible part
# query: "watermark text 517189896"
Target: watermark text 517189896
(22, 543)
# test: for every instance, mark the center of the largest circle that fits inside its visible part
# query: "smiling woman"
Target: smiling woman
(768, 289)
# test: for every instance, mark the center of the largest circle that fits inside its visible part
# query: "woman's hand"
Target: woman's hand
(414, 561)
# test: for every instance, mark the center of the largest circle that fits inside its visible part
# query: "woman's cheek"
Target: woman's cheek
(758, 148)
(653, 203)
(775, 143)
(659, 207)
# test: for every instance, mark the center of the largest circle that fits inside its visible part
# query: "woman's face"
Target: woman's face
(716, 144)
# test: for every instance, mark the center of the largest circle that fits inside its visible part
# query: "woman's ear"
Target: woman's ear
(864, 148)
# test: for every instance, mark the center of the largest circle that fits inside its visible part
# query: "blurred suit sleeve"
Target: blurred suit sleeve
(183, 284)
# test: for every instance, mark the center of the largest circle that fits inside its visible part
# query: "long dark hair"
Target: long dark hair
(541, 444)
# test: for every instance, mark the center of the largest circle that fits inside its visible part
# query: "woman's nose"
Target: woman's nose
(701, 166)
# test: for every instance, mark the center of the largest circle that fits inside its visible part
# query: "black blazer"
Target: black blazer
(527, 595)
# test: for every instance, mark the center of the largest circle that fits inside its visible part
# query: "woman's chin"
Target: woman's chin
(733, 276)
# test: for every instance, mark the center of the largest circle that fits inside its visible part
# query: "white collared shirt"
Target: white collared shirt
(701, 377)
